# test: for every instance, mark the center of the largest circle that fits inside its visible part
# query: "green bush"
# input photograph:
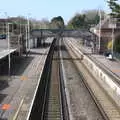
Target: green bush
(117, 48)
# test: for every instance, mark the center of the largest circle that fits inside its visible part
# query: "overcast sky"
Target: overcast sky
(49, 8)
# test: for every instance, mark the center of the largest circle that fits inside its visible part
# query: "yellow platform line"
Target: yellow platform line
(18, 110)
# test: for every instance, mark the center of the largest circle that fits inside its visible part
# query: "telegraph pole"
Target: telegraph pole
(26, 37)
(99, 31)
(28, 22)
(9, 61)
(113, 37)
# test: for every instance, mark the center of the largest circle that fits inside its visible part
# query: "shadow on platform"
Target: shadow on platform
(37, 53)
(3, 84)
(2, 96)
(20, 65)
(44, 45)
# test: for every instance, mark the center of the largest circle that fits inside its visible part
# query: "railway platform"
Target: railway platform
(107, 81)
(18, 91)
(4, 51)
(111, 65)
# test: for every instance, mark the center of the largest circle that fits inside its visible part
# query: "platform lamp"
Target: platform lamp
(26, 31)
(28, 24)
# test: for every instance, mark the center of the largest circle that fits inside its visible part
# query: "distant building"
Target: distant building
(16, 32)
(3, 25)
(108, 25)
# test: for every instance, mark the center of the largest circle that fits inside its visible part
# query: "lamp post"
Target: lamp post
(9, 60)
(6, 25)
(8, 38)
(26, 37)
(2, 26)
(28, 23)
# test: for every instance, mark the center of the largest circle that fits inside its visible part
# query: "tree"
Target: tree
(85, 20)
(117, 44)
(92, 16)
(115, 8)
(57, 22)
(77, 22)
(40, 24)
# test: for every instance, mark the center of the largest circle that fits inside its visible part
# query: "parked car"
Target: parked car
(3, 36)
(108, 55)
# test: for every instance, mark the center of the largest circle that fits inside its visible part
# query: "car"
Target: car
(106, 54)
(110, 57)
(2, 36)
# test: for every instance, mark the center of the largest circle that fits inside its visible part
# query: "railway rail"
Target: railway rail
(52, 109)
(18, 88)
(80, 99)
(48, 103)
(68, 90)
(104, 102)
(63, 92)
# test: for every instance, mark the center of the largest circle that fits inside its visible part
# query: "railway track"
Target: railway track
(55, 107)
(105, 103)
(29, 72)
(80, 99)
(68, 91)
(19, 89)
(48, 100)
(52, 108)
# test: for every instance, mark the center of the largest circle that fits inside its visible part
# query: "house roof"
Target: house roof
(5, 20)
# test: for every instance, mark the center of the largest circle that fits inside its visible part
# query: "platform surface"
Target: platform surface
(17, 91)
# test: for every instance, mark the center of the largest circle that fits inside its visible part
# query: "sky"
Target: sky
(48, 9)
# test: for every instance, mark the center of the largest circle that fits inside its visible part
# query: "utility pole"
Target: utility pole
(112, 40)
(9, 61)
(28, 22)
(99, 31)
(113, 37)
(26, 37)
(19, 37)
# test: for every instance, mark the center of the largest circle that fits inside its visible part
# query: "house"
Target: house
(108, 31)
(16, 33)
(3, 25)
